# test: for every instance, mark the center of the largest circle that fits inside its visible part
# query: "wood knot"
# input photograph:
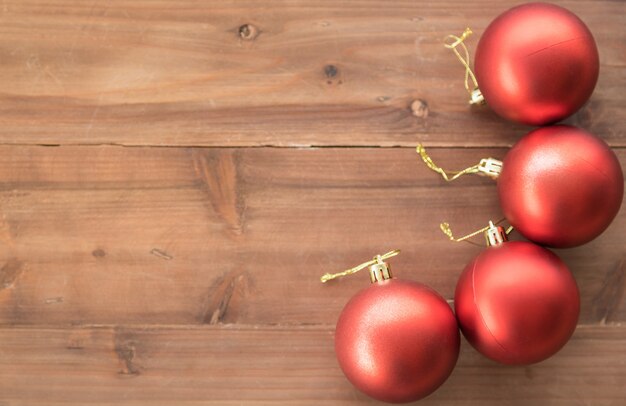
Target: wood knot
(330, 71)
(225, 298)
(98, 253)
(419, 108)
(248, 32)
(9, 273)
(126, 350)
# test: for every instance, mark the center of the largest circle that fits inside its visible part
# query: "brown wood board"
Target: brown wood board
(188, 236)
(274, 365)
(273, 73)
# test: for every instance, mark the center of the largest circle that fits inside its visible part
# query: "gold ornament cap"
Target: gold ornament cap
(476, 97)
(490, 167)
(380, 271)
(495, 235)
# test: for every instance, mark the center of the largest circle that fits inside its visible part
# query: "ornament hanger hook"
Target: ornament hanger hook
(445, 228)
(476, 96)
(487, 166)
(378, 259)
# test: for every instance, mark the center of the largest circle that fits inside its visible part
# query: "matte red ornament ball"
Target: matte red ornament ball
(397, 341)
(560, 186)
(536, 64)
(517, 303)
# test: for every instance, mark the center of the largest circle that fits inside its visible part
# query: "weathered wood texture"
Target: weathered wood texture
(187, 236)
(268, 366)
(317, 72)
(158, 271)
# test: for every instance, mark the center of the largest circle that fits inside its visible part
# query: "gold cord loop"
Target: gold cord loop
(487, 166)
(475, 95)
(445, 174)
(377, 260)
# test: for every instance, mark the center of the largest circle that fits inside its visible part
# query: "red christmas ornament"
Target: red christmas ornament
(396, 341)
(516, 302)
(560, 186)
(536, 64)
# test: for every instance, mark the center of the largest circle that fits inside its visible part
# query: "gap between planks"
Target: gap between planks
(429, 145)
(230, 326)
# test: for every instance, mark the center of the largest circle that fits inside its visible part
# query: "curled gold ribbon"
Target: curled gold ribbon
(453, 42)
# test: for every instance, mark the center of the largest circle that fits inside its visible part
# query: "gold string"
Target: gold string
(445, 174)
(459, 41)
(445, 228)
(326, 277)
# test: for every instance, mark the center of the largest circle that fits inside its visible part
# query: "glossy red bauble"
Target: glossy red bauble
(397, 341)
(536, 64)
(517, 303)
(560, 186)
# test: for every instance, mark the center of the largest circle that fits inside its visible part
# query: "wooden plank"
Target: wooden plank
(269, 366)
(315, 72)
(120, 235)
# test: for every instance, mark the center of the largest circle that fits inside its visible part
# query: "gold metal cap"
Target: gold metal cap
(380, 271)
(490, 167)
(495, 235)
(476, 97)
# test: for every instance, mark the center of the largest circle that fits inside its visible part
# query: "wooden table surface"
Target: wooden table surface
(176, 175)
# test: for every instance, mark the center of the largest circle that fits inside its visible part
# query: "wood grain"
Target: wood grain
(176, 175)
(269, 366)
(316, 72)
(189, 236)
